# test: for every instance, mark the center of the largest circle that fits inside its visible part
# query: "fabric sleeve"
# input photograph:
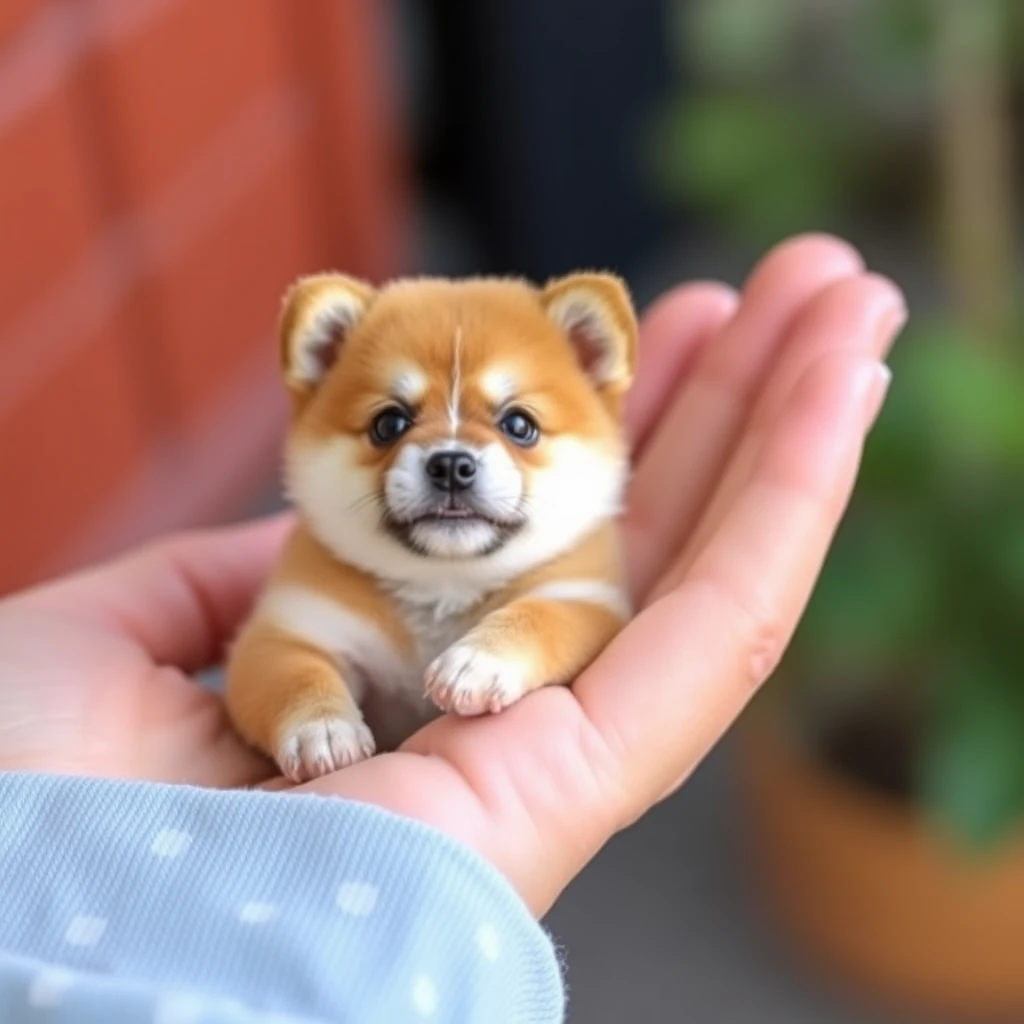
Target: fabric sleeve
(153, 904)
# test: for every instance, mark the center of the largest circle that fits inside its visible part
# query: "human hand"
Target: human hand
(96, 669)
(748, 420)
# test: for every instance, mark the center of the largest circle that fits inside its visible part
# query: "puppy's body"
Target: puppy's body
(457, 462)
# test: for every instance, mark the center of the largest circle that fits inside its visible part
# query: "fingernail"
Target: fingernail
(891, 318)
(873, 384)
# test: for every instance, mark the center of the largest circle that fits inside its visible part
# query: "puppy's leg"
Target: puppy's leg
(547, 636)
(288, 698)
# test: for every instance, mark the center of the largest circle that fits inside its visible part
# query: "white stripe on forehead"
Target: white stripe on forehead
(453, 397)
(410, 384)
(498, 385)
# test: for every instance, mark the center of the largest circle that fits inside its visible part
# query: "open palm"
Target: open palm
(747, 420)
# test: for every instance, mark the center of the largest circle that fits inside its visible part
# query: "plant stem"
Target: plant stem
(976, 198)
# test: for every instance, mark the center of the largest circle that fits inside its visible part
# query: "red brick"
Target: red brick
(15, 15)
(47, 210)
(65, 453)
(219, 302)
(168, 86)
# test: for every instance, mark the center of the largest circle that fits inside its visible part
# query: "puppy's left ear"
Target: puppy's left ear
(596, 313)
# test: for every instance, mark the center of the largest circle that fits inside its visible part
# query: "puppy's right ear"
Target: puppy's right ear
(319, 311)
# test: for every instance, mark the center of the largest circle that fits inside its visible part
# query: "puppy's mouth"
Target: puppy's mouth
(454, 529)
(453, 513)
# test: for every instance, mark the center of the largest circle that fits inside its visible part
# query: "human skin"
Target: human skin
(748, 419)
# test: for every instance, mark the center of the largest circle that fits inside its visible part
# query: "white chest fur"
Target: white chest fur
(435, 618)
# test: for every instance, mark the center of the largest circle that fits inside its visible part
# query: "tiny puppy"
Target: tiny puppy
(457, 460)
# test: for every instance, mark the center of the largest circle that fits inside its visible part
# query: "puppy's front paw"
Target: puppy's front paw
(470, 680)
(317, 746)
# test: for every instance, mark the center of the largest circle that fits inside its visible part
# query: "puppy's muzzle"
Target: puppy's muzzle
(451, 471)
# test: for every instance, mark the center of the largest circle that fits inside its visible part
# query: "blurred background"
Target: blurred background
(853, 851)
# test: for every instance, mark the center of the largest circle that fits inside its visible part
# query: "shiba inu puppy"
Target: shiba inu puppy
(457, 462)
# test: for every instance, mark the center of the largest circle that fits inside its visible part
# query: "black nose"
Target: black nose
(451, 471)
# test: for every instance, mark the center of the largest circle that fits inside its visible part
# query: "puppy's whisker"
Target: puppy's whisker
(366, 501)
(508, 507)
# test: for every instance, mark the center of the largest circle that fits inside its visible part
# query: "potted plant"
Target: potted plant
(885, 767)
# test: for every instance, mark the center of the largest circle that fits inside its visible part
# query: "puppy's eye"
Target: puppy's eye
(520, 428)
(388, 426)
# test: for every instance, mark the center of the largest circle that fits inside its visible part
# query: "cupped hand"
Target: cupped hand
(96, 670)
(748, 420)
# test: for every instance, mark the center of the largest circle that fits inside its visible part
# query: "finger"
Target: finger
(693, 659)
(856, 315)
(180, 598)
(683, 459)
(672, 333)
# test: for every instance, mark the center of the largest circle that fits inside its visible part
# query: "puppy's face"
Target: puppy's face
(474, 421)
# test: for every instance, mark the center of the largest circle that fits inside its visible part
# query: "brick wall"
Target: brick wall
(166, 167)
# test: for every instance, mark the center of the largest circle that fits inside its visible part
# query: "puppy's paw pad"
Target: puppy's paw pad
(307, 750)
(465, 680)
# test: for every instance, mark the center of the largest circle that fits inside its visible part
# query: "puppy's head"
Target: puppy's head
(476, 421)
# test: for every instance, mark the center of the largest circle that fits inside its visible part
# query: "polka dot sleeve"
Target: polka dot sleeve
(149, 904)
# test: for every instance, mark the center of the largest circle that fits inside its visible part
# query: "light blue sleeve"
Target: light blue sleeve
(139, 903)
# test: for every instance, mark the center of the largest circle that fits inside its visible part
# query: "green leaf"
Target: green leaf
(900, 461)
(1006, 551)
(972, 770)
(970, 395)
(894, 41)
(739, 38)
(896, 33)
(877, 596)
(769, 166)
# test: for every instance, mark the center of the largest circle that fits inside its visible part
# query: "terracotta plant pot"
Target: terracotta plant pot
(878, 898)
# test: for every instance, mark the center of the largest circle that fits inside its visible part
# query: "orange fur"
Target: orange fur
(463, 615)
